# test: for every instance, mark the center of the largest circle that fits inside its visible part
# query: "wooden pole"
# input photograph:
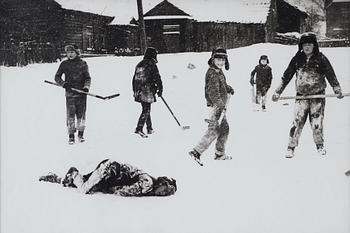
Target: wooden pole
(143, 43)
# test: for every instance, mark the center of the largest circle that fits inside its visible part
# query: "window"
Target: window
(171, 29)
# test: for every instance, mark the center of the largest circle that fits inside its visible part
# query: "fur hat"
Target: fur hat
(151, 53)
(264, 57)
(163, 186)
(219, 53)
(308, 37)
(72, 47)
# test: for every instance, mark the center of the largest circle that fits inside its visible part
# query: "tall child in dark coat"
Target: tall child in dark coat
(312, 68)
(262, 80)
(216, 94)
(146, 84)
(77, 76)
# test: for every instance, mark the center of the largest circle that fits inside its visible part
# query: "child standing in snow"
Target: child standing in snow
(263, 80)
(76, 76)
(312, 68)
(216, 94)
(146, 84)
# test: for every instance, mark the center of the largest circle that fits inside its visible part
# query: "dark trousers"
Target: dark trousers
(76, 108)
(145, 117)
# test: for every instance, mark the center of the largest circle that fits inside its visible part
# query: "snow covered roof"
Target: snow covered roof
(240, 11)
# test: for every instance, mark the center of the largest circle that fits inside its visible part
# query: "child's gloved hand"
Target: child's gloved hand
(338, 92)
(85, 89)
(67, 86)
(275, 97)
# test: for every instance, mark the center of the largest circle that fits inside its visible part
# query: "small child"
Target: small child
(262, 80)
(76, 76)
(216, 94)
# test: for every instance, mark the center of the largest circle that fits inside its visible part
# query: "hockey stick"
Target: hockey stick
(177, 121)
(84, 92)
(310, 96)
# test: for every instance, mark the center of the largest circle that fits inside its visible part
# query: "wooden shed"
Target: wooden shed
(198, 25)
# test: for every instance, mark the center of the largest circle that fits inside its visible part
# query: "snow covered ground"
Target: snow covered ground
(259, 191)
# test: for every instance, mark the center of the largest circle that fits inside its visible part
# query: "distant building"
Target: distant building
(43, 21)
(338, 18)
(188, 26)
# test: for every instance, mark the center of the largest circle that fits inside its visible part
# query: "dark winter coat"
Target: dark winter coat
(263, 78)
(146, 81)
(76, 74)
(216, 88)
(121, 179)
(310, 75)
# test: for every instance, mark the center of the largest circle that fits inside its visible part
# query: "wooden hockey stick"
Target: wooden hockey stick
(177, 121)
(84, 92)
(311, 96)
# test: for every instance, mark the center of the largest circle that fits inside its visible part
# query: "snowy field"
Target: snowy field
(259, 191)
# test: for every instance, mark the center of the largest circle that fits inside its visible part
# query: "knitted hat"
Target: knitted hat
(72, 47)
(308, 38)
(151, 53)
(264, 57)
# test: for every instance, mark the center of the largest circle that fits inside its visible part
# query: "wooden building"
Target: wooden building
(338, 19)
(45, 21)
(194, 27)
(167, 28)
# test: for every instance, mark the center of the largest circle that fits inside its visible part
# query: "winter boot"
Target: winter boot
(71, 140)
(196, 156)
(321, 150)
(290, 153)
(263, 107)
(222, 157)
(81, 136)
(150, 131)
(141, 133)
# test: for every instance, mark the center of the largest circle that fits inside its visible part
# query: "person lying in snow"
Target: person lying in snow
(115, 178)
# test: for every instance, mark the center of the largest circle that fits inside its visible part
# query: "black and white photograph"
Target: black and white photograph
(175, 116)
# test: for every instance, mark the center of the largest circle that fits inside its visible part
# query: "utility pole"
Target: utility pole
(141, 27)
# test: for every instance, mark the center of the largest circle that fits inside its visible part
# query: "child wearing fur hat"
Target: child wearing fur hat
(216, 94)
(312, 69)
(77, 76)
(115, 178)
(146, 84)
(262, 80)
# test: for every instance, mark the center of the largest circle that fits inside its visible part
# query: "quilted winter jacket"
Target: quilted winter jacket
(310, 75)
(76, 74)
(263, 77)
(146, 81)
(216, 88)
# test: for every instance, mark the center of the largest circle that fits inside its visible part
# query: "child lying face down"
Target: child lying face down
(115, 178)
